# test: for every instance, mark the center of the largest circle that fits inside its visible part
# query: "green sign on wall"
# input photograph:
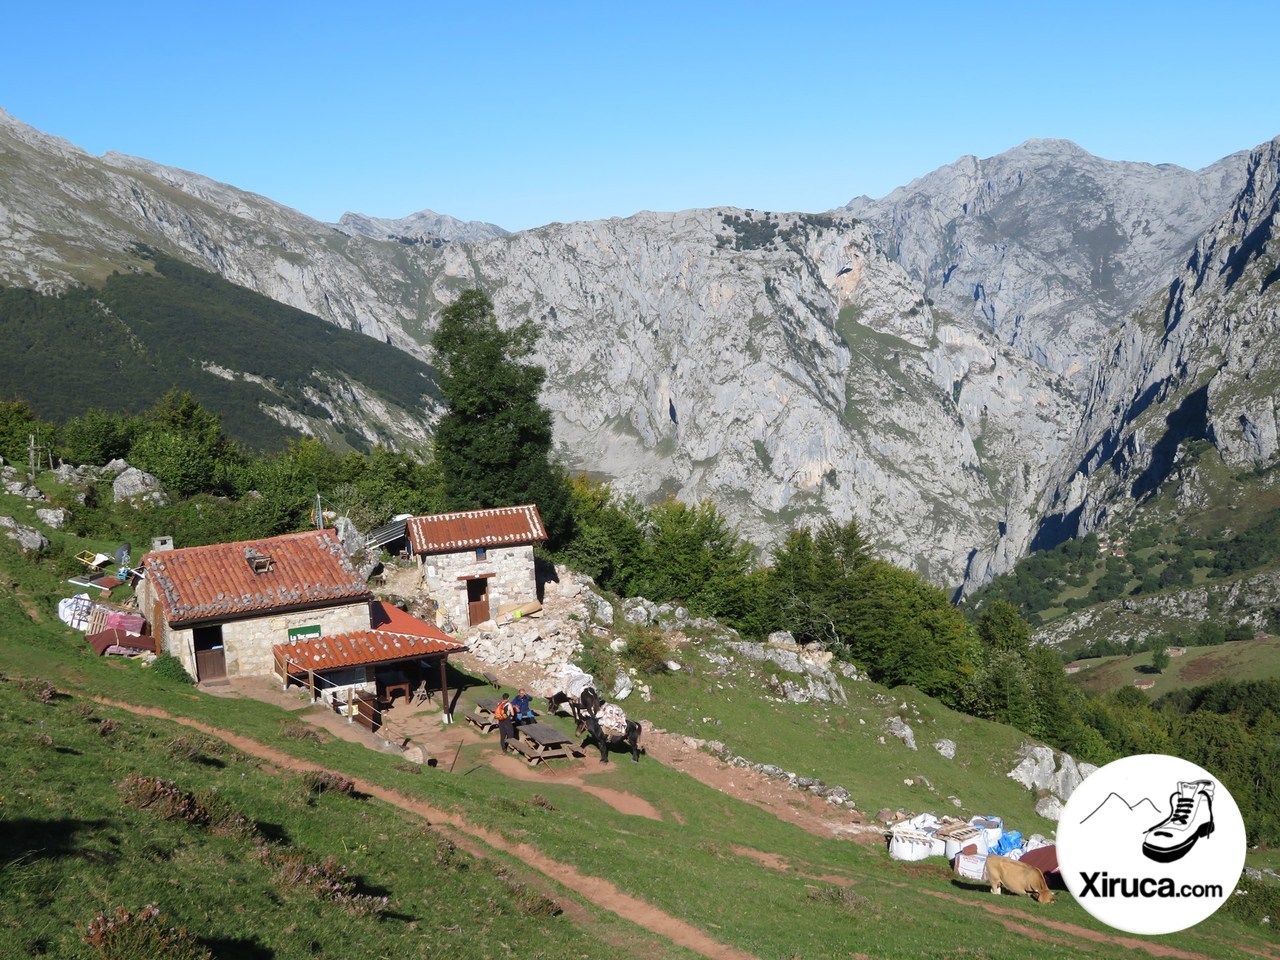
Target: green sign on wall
(305, 633)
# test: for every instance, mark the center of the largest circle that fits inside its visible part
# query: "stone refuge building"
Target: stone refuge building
(478, 562)
(293, 606)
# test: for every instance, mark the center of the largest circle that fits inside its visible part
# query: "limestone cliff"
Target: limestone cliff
(943, 364)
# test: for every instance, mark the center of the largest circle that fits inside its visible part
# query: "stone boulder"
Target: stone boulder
(29, 539)
(599, 609)
(947, 748)
(1054, 776)
(133, 485)
(622, 687)
(639, 611)
(55, 518)
(899, 728)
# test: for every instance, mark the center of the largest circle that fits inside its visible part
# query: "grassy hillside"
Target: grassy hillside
(1239, 660)
(462, 881)
(121, 346)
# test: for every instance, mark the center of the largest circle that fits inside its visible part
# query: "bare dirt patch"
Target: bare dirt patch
(1205, 669)
(575, 776)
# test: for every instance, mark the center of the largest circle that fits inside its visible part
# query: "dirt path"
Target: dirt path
(596, 890)
(1018, 921)
(575, 776)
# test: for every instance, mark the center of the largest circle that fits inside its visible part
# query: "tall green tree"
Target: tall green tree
(493, 444)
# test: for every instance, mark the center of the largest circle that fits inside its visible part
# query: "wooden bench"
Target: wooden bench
(525, 749)
(493, 681)
(484, 722)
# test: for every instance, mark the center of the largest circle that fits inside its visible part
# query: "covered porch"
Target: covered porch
(364, 673)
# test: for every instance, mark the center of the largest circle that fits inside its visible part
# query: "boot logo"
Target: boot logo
(1143, 863)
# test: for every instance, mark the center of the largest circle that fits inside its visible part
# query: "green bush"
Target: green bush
(1255, 902)
(170, 668)
(647, 652)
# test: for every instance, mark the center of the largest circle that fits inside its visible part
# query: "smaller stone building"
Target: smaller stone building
(220, 609)
(477, 563)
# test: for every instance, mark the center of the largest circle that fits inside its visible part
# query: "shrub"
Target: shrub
(297, 730)
(186, 748)
(844, 897)
(1255, 902)
(647, 652)
(328, 880)
(42, 691)
(164, 798)
(142, 935)
(224, 819)
(169, 668)
(323, 781)
(528, 901)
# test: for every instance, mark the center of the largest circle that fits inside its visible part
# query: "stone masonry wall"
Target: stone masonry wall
(511, 574)
(247, 643)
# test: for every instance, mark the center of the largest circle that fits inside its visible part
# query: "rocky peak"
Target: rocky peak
(1046, 246)
(1199, 361)
(423, 226)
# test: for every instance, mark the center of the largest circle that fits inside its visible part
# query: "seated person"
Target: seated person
(524, 712)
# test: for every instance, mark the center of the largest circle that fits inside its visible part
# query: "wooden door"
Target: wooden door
(211, 657)
(478, 600)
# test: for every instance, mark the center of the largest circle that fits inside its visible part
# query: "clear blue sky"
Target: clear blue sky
(525, 113)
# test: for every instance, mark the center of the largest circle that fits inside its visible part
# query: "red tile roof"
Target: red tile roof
(384, 616)
(361, 647)
(219, 582)
(504, 526)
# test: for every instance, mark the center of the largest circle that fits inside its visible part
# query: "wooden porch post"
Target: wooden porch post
(311, 684)
(444, 689)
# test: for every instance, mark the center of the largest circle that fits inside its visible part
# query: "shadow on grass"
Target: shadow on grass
(273, 833)
(239, 948)
(27, 840)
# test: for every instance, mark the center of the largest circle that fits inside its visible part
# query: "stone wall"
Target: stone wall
(247, 643)
(509, 570)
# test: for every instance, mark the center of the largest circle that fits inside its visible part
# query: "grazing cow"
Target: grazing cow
(1017, 878)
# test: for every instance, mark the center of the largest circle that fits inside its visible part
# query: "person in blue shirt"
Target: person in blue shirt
(524, 711)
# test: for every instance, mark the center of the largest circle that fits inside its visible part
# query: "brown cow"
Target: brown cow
(1017, 878)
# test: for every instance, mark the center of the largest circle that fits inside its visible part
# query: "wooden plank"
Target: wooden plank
(526, 750)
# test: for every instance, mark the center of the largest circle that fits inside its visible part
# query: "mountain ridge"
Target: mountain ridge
(943, 406)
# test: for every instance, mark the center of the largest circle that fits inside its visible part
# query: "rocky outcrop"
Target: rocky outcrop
(29, 539)
(1051, 774)
(132, 485)
(1198, 364)
(816, 681)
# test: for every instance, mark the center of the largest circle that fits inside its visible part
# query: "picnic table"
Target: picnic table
(541, 741)
(482, 716)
